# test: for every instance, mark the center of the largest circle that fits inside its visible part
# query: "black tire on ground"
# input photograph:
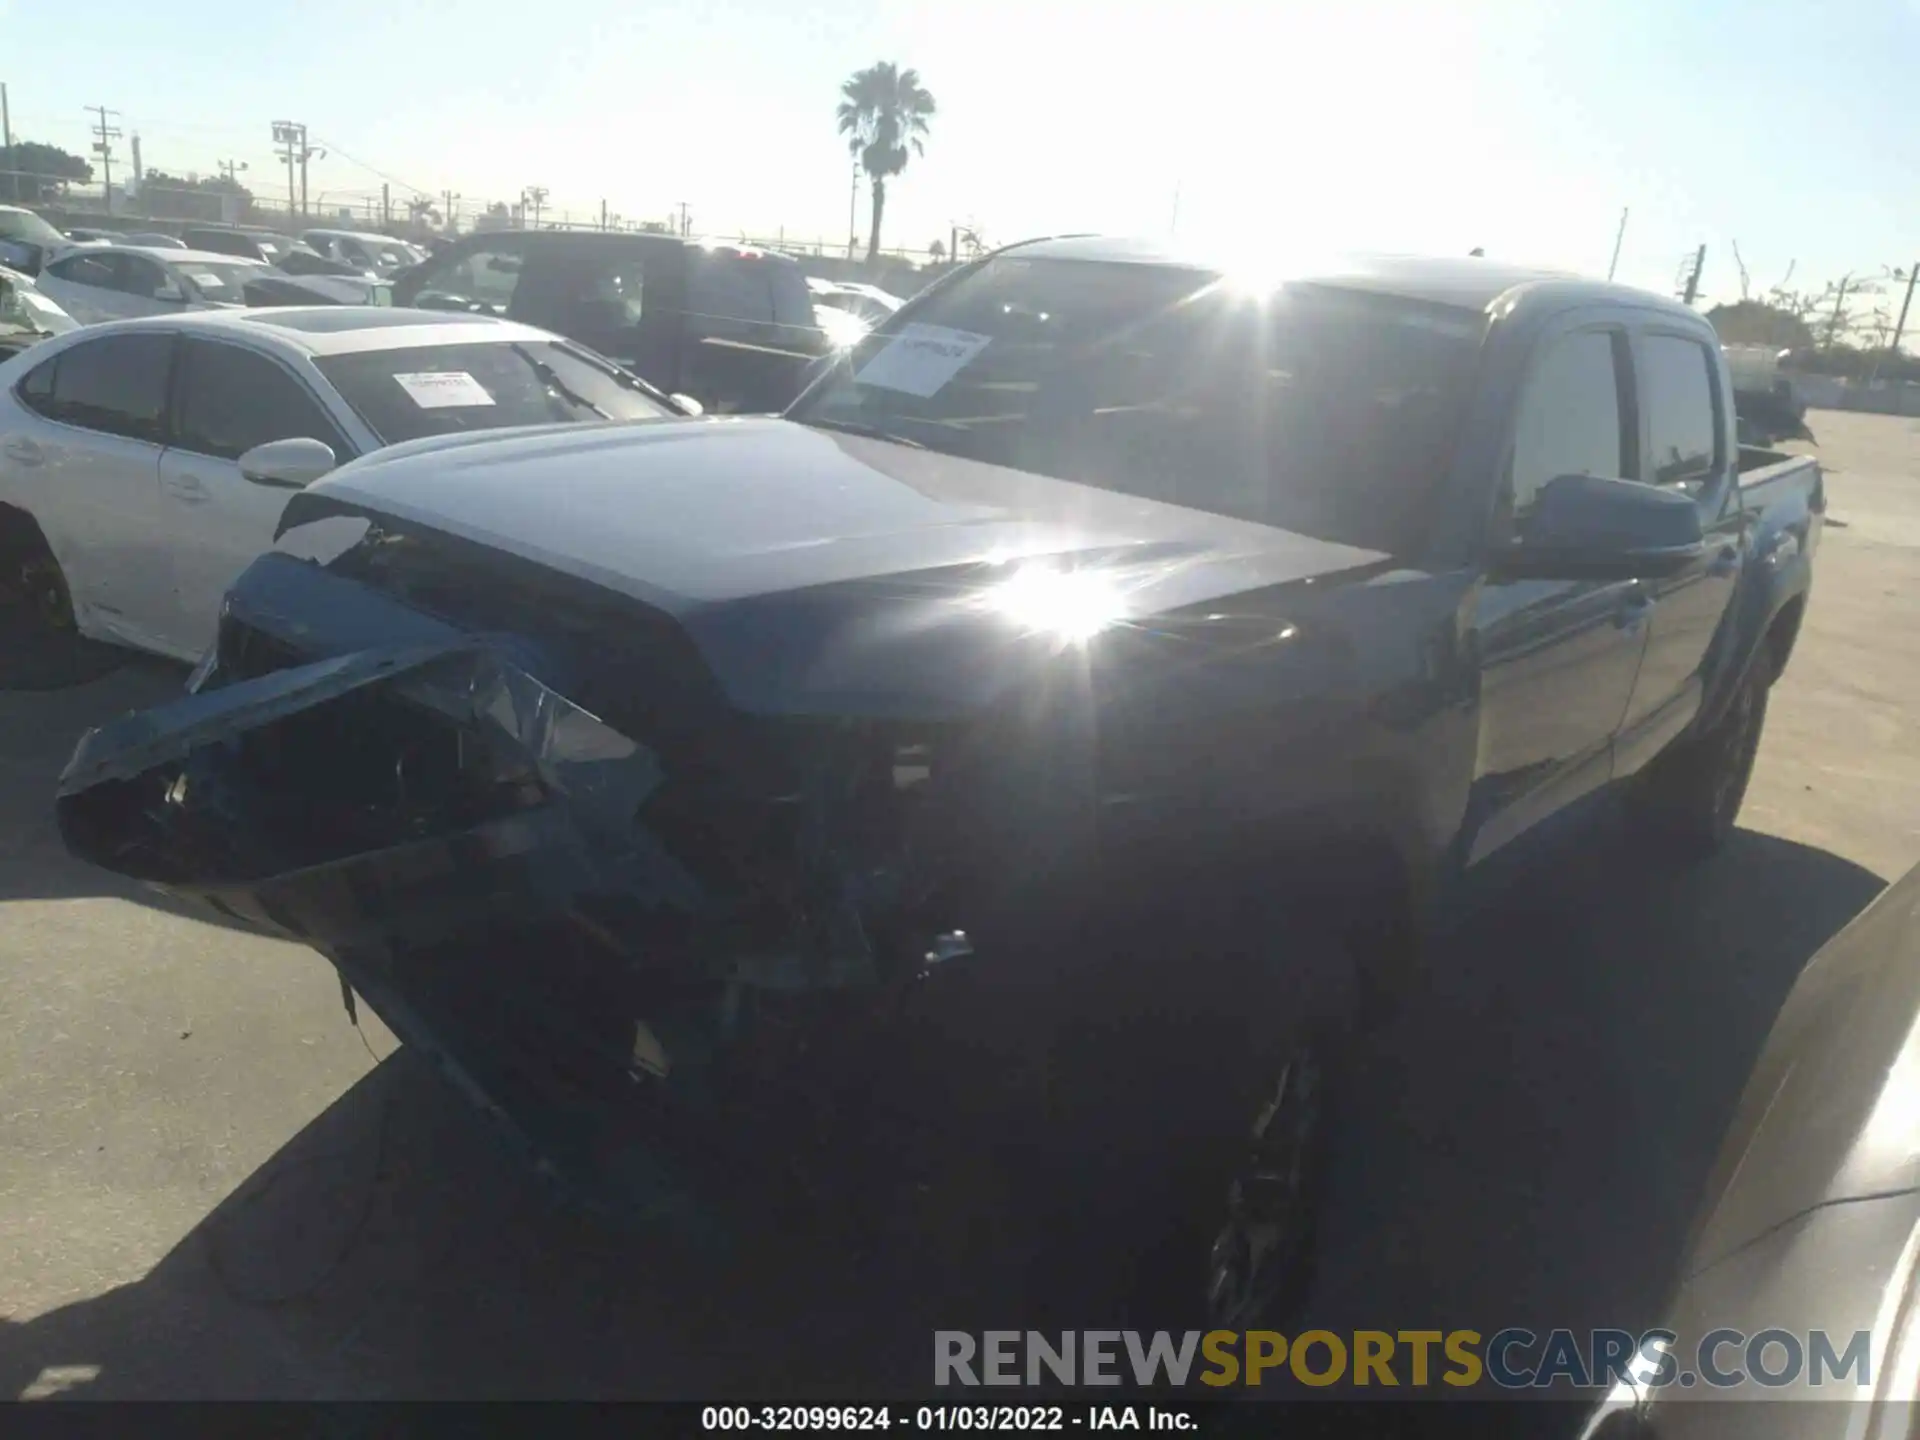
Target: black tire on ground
(1171, 1178)
(33, 589)
(1688, 799)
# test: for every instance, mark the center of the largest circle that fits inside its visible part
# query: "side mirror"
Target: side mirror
(688, 404)
(1585, 527)
(288, 464)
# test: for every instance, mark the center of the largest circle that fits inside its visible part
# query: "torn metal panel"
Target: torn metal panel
(380, 796)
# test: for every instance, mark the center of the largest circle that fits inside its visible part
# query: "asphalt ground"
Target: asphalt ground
(211, 1185)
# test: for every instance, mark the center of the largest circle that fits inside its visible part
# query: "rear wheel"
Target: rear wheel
(33, 590)
(1688, 799)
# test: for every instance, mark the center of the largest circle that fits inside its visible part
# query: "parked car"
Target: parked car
(27, 316)
(143, 464)
(117, 282)
(732, 327)
(1003, 775)
(381, 254)
(245, 243)
(277, 288)
(153, 240)
(301, 260)
(26, 241)
(85, 235)
(1809, 1217)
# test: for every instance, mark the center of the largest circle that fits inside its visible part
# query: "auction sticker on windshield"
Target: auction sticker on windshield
(443, 389)
(921, 359)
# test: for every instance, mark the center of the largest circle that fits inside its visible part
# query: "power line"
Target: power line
(377, 173)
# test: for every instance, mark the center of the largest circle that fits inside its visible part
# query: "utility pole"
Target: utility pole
(1840, 299)
(231, 168)
(1900, 325)
(291, 137)
(532, 198)
(1692, 290)
(686, 224)
(104, 136)
(1618, 236)
(1173, 220)
(6, 124)
(386, 205)
(453, 219)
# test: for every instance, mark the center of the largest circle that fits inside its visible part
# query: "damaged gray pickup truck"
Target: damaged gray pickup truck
(1036, 747)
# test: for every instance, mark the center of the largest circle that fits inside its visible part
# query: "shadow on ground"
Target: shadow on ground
(1526, 1147)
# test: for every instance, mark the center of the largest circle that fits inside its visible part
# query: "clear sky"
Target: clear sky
(1521, 127)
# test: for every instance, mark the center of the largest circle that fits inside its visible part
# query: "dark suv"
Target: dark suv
(732, 327)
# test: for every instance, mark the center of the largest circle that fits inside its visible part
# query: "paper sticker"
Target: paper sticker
(921, 359)
(443, 389)
(201, 277)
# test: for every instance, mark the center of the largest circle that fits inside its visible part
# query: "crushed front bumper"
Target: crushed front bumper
(475, 854)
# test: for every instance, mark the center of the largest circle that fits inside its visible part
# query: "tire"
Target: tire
(1177, 1182)
(1688, 800)
(33, 589)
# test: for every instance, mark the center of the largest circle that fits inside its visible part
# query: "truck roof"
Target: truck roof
(1460, 282)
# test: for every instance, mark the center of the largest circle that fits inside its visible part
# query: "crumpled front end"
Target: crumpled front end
(627, 956)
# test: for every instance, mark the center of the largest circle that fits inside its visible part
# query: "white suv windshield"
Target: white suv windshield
(446, 389)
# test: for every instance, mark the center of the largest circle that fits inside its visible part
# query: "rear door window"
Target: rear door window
(726, 288)
(116, 385)
(1676, 387)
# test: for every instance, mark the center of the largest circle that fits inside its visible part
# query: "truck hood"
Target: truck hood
(684, 514)
(821, 573)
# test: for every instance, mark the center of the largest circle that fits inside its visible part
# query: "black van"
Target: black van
(732, 327)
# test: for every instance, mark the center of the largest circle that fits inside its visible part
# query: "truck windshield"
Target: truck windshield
(1330, 412)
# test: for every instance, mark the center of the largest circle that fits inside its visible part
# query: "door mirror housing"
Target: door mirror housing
(288, 464)
(689, 404)
(1587, 527)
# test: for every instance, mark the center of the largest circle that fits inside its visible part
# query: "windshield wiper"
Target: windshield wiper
(870, 432)
(551, 378)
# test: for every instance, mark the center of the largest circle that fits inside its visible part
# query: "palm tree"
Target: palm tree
(883, 113)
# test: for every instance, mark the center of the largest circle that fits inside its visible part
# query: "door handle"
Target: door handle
(1725, 562)
(23, 451)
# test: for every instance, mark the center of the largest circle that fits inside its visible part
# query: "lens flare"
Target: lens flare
(1072, 605)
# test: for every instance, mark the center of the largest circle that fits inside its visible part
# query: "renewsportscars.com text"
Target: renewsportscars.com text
(1508, 1359)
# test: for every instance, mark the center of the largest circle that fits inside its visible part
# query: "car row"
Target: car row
(145, 463)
